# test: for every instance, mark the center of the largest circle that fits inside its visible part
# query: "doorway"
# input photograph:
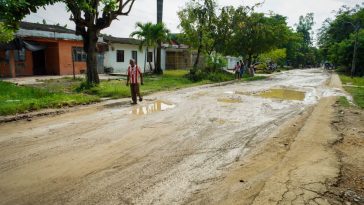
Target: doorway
(134, 55)
(39, 63)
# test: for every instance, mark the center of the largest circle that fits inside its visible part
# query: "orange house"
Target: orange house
(45, 50)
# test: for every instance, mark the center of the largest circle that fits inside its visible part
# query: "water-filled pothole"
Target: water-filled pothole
(157, 106)
(229, 100)
(282, 94)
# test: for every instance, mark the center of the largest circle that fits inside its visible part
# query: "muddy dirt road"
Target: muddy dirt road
(175, 148)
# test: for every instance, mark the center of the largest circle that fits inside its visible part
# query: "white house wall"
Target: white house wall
(121, 67)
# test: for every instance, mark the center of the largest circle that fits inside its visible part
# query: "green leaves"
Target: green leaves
(13, 11)
(150, 34)
(337, 37)
(6, 34)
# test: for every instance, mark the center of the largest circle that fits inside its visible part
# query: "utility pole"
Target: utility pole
(158, 68)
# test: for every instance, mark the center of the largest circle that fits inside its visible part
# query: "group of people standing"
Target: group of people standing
(240, 68)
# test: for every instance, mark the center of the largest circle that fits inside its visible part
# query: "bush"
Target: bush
(218, 75)
(215, 61)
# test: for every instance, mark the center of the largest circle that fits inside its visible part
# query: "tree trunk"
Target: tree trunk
(158, 67)
(90, 44)
(146, 58)
(12, 63)
(354, 54)
(197, 57)
(250, 60)
(154, 57)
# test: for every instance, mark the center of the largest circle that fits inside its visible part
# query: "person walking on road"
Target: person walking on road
(237, 70)
(133, 73)
(242, 67)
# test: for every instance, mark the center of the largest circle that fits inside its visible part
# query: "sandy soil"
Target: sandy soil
(349, 187)
(203, 145)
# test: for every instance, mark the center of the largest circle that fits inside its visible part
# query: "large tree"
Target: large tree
(144, 33)
(90, 17)
(197, 22)
(341, 39)
(256, 33)
(150, 35)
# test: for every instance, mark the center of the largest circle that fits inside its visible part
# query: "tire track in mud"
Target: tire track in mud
(111, 156)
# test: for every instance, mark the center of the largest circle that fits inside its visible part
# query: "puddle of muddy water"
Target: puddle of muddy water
(199, 94)
(218, 121)
(229, 100)
(282, 94)
(157, 106)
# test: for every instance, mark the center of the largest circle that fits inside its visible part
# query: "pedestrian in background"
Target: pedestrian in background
(237, 70)
(134, 73)
(242, 68)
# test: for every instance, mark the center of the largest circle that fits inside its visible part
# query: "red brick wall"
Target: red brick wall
(22, 68)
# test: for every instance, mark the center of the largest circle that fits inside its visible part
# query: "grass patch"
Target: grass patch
(358, 95)
(355, 86)
(343, 101)
(55, 93)
(247, 78)
(18, 99)
(170, 80)
(357, 81)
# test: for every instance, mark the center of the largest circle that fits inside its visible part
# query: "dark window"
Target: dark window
(150, 57)
(19, 55)
(134, 55)
(120, 56)
(79, 55)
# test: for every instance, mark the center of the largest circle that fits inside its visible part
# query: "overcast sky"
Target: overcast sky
(145, 10)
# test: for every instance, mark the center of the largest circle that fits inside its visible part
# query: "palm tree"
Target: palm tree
(159, 20)
(145, 35)
(160, 33)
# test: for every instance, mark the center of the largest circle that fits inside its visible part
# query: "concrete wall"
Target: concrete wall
(121, 67)
(65, 58)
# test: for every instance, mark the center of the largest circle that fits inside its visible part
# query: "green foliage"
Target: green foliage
(277, 56)
(144, 34)
(358, 95)
(170, 80)
(215, 61)
(304, 27)
(197, 22)
(213, 76)
(356, 81)
(337, 38)
(343, 101)
(13, 11)
(18, 99)
(6, 34)
(255, 33)
(355, 86)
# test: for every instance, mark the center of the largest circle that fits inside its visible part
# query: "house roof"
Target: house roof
(45, 27)
(111, 39)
